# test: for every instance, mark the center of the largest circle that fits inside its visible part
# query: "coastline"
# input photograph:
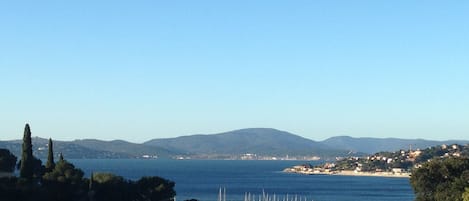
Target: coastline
(348, 173)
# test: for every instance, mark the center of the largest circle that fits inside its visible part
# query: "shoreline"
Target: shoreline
(350, 173)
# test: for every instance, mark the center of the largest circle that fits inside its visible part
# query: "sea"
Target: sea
(203, 179)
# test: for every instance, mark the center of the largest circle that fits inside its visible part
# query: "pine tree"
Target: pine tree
(27, 159)
(50, 157)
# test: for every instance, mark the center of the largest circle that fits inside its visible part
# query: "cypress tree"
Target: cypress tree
(27, 160)
(61, 157)
(50, 157)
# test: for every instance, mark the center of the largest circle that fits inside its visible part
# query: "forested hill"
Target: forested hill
(260, 141)
(274, 142)
(90, 148)
(265, 141)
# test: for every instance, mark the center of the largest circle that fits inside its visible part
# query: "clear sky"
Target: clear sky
(137, 70)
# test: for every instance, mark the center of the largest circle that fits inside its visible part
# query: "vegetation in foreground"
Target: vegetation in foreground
(439, 173)
(444, 179)
(62, 181)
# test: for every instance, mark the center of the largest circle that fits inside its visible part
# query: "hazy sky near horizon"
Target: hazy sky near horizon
(137, 70)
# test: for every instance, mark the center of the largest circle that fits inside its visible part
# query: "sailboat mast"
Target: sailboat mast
(224, 194)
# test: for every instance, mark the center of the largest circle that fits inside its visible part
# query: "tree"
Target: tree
(441, 180)
(107, 186)
(104, 177)
(155, 189)
(50, 157)
(7, 161)
(64, 172)
(27, 160)
(64, 182)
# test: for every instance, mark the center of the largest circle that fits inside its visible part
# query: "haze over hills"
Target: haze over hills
(260, 141)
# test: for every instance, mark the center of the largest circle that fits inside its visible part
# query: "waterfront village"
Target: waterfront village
(384, 164)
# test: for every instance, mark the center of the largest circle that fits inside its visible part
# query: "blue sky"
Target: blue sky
(137, 70)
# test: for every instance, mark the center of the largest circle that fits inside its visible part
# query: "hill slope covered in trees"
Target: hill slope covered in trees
(265, 141)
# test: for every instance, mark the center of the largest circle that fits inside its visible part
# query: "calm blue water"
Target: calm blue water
(201, 179)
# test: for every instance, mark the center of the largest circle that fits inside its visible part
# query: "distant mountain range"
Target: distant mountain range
(260, 141)
(89, 148)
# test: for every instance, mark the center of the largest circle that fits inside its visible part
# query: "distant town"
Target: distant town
(388, 164)
(251, 156)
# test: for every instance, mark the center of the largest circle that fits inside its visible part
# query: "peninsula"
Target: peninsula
(308, 170)
(383, 164)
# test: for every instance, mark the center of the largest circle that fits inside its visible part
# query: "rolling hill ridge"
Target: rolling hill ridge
(260, 141)
(264, 141)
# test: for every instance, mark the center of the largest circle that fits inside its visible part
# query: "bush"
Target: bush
(7, 161)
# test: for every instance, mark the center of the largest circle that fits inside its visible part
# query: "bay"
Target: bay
(202, 179)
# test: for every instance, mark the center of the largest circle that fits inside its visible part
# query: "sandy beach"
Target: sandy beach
(350, 173)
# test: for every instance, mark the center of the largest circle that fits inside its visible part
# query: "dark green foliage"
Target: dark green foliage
(30, 167)
(64, 182)
(107, 186)
(27, 160)
(50, 157)
(38, 168)
(64, 172)
(7, 161)
(104, 177)
(155, 188)
(441, 180)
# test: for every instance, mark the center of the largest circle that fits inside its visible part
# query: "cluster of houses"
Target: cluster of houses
(381, 164)
(330, 169)
(401, 156)
(251, 156)
(453, 150)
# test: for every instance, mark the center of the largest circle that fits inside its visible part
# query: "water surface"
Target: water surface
(201, 179)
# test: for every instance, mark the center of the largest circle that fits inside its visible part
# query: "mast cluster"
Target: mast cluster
(264, 197)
